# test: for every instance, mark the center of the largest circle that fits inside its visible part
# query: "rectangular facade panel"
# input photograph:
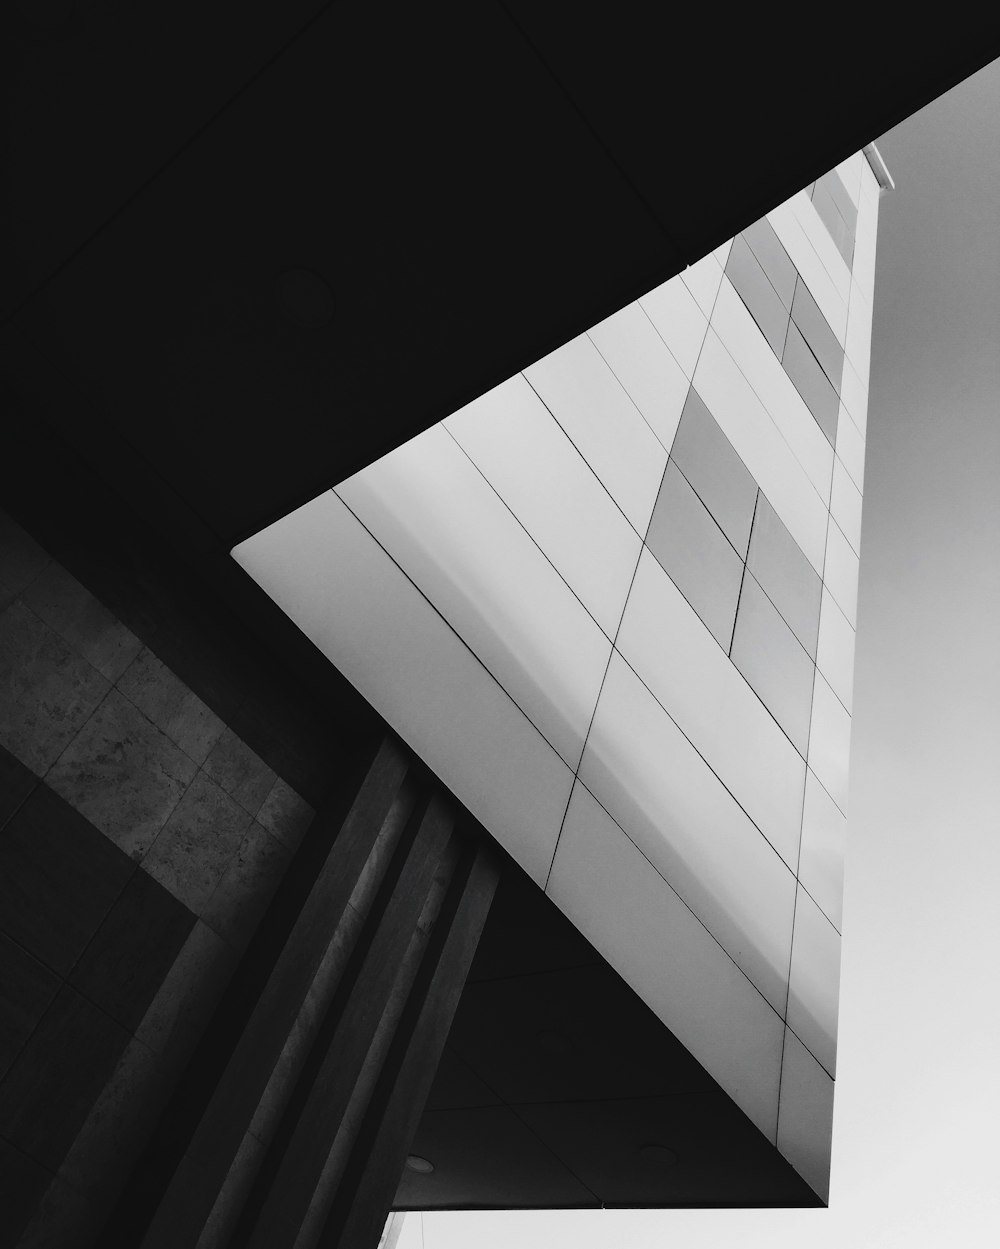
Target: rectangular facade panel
(762, 301)
(845, 505)
(721, 253)
(663, 640)
(859, 331)
(851, 452)
(702, 280)
(823, 244)
(719, 477)
(751, 430)
(773, 259)
(864, 251)
(680, 815)
(854, 397)
(524, 455)
(679, 321)
(850, 174)
(696, 554)
(775, 389)
(644, 365)
(701, 995)
(821, 856)
(452, 535)
(838, 212)
(785, 575)
(811, 382)
(814, 982)
(788, 226)
(816, 331)
(603, 423)
(805, 1123)
(841, 572)
(835, 656)
(774, 662)
(830, 741)
(324, 569)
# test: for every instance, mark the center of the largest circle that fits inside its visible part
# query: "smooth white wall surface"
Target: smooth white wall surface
(454, 537)
(678, 320)
(327, 572)
(601, 881)
(600, 419)
(814, 981)
(640, 766)
(805, 1123)
(512, 439)
(486, 586)
(646, 367)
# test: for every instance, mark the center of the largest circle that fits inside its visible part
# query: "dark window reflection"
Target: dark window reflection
(773, 259)
(785, 575)
(696, 555)
(811, 382)
(721, 479)
(760, 297)
(815, 329)
(837, 212)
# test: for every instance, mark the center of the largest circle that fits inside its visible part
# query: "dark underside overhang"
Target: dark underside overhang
(253, 248)
(559, 1087)
(473, 183)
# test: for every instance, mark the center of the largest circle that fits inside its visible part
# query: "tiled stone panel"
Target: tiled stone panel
(141, 840)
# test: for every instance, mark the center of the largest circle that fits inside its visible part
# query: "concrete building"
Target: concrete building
(269, 924)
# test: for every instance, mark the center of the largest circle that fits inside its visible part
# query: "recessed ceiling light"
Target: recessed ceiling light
(662, 1154)
(422, 1166)
(304, 298)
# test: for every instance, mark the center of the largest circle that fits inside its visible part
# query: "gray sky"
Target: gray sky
(918, 1089)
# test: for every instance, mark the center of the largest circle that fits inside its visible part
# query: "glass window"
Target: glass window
(713, 706)
(773, 259)
(759, 441)
(694, 553)
(722, 481)
(785, 575)
(836, 226)
(815, 329)
(811, 382)
(758, 294)
(771, 658)
(837, 211)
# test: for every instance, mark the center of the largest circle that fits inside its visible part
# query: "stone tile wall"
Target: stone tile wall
(141, 840)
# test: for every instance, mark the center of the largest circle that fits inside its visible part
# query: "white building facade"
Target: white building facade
(612, 604)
